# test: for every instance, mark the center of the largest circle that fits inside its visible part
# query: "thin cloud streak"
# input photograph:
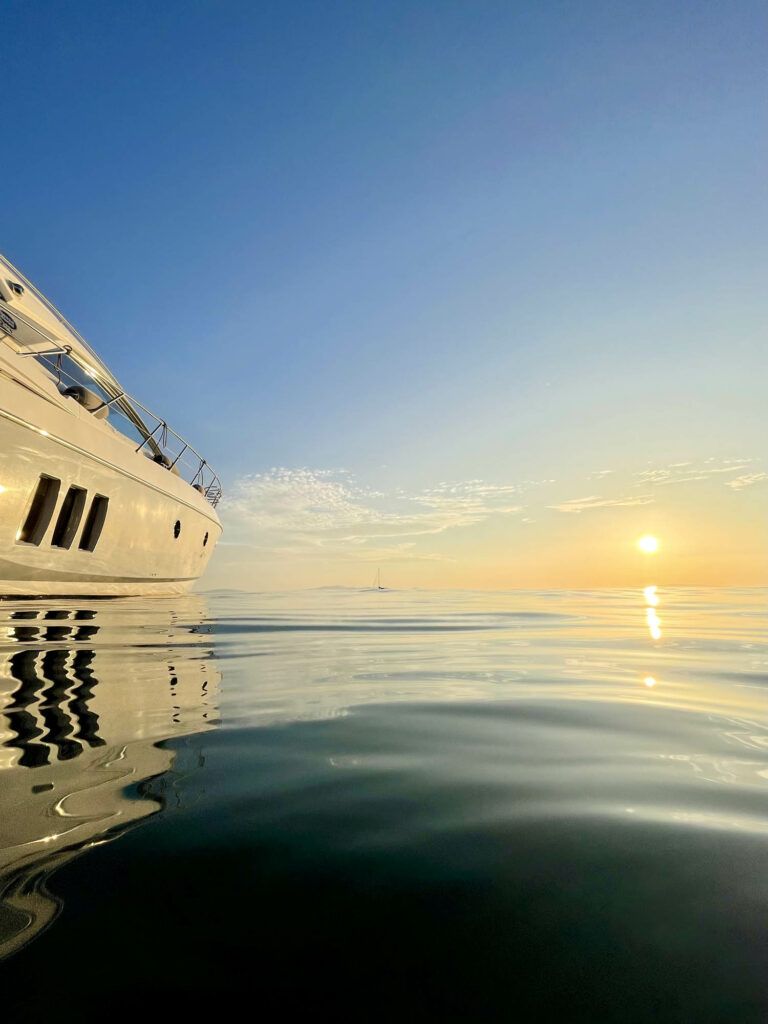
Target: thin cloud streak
(578, 505)
(690, 472)
(747, 480)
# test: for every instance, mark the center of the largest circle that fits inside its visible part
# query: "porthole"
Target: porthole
(176, 528)
(205, 540)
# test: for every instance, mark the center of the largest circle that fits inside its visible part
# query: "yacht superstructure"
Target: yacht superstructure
(98, 496)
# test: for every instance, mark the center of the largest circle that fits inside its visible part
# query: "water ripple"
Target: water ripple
(498, 779)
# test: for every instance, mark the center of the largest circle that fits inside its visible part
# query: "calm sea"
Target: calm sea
(386, 805)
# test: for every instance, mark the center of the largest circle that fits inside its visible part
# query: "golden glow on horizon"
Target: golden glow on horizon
(703, 541)
(648, 544)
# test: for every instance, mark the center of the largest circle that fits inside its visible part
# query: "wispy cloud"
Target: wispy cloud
(661, 476)
(298, 500)
(475, 500)
(747, 480)
(327, 513)
(688, 472)
(317, 515)
(596, 501)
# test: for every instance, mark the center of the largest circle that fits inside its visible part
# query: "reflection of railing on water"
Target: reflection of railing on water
(81, 725)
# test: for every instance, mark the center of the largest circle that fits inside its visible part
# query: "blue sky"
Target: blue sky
(423, 243)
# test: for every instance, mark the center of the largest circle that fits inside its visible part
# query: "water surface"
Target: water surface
(387, 805)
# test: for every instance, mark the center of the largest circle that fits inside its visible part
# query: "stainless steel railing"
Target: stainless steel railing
(167, 447)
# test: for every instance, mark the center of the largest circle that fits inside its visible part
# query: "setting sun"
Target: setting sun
(648, 544)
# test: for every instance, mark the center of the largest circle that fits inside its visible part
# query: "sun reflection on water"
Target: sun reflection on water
(653, 622)
(650, 595)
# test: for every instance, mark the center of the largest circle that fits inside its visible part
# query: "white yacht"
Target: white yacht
(98, 496)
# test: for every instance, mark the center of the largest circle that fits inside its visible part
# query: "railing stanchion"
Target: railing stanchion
(128, 406)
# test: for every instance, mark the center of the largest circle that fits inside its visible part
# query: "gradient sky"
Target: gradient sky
(475, 292)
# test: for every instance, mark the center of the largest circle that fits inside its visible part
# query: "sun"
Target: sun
(648, 544)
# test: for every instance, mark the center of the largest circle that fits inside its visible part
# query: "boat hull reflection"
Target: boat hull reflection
(87, 697)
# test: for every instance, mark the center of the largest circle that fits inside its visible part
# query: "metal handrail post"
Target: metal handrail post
(179, 455)
(149, 437)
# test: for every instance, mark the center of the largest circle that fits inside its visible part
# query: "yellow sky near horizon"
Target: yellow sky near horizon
(290, 529)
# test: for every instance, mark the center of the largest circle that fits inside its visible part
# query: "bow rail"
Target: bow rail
(127, 414)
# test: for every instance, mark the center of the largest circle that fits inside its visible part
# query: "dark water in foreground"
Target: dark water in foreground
(387, 806)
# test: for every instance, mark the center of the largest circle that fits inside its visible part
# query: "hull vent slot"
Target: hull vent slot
(40, 511)
(94, 523)
(69, 518)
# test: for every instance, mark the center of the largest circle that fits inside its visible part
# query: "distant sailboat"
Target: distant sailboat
(377, 581)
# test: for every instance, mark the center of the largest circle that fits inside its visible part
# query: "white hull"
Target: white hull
(137, 553)
(158, 532)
